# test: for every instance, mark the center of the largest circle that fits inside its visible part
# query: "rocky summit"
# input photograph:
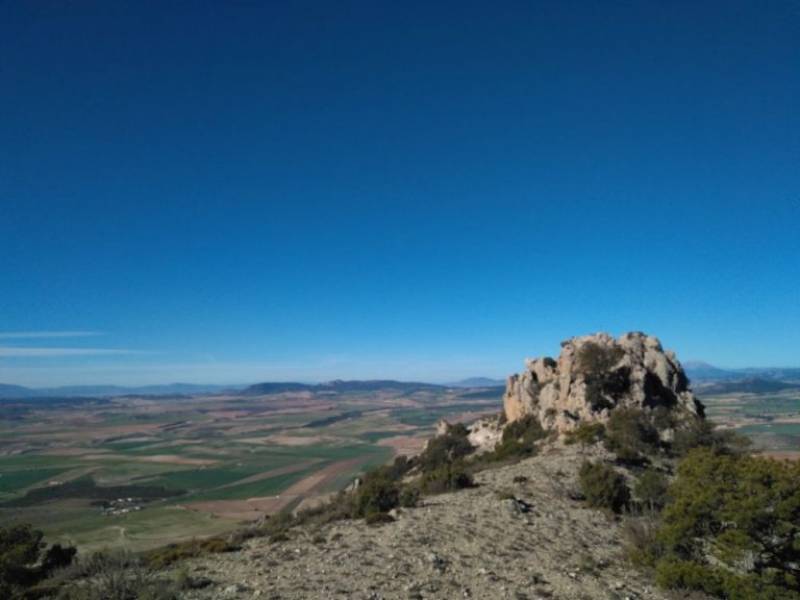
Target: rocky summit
(594, 375)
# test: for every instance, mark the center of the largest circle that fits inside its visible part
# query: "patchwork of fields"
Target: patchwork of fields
(140, 472)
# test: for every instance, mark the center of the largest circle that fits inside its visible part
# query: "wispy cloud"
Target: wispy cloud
(28, 352)
(33, 335)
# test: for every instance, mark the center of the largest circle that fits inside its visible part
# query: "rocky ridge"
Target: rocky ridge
(518, 535)
(595, 374)
(522, 533)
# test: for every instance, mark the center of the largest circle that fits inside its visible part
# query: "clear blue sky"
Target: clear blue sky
(243, 191)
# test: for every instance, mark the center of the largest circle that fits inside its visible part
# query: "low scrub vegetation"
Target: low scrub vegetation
(732, 528)
(728, 525)
(444, 449)
(519, 439)
(631, 435)
(586, 434)
(172, 553)
(651, 489)
(116, 575)
(605, 383)
(25, 561)
(446, 478)
(603, 487)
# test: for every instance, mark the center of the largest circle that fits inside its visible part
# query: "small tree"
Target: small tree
(732, 528)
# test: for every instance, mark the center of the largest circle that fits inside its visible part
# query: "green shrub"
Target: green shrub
(631, 435)
(162, 557)
(594, 359)
(376, 494)
(519, 439)
(604, 382)
(603, 487)
(651, 489)
(443, 449)
(409, 497)
(337, 508)
(395, 471)
(701, 433)
(721, 583)
(447, 478)
(732, 527)
(586, 434)
(25, 561)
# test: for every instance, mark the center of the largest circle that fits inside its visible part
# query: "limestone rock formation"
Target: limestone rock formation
(595, 374)
(484, 434)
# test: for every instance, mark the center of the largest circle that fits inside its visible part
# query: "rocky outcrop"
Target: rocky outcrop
(483, 434)
(596, 374)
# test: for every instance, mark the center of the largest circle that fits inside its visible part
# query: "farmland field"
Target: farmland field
(771, 420)
(143, 471)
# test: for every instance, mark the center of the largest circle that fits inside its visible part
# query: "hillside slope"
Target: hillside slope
(476, 543)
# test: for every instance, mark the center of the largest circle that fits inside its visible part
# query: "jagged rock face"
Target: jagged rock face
(594, 375)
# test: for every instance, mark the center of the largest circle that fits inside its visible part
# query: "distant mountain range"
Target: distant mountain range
(702, 371)
(704, 377)
(341, 386)
(751, 385)
(708, 379)
(99, 391)
(477, 382)
(17, 392)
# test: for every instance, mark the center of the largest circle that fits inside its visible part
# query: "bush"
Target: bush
(375, 495)
(165, 556)
(443, 449)
(586, 434)
(630, 435)
(603, 487)
(24, 562)
(519, 439)
(700, 433)
(409, 497)
(651, 489)
(604, 383)
(721, 583)
(115, 575)
(447, 478)
(732, 528)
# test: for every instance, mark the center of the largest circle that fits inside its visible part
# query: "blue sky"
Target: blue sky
(234, 192)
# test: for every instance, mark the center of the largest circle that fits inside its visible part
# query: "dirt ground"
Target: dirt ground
(476, 543)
